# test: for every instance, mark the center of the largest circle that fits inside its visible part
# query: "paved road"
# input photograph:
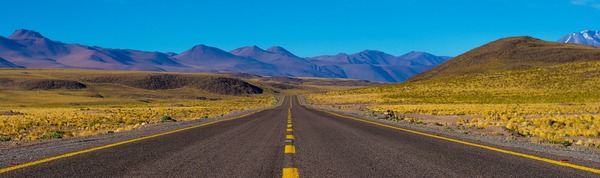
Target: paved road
(319, 145)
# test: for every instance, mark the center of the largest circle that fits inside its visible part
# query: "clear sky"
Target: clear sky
(305, 27)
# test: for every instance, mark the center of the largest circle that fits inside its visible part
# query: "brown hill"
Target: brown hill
(212, 84)
(515, 53)
(41, 84)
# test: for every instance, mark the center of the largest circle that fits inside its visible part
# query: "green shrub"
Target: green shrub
(565, 143)
(4, 138)
(168, 119)
(53, 134)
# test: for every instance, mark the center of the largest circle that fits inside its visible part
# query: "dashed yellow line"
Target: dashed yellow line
(560, 163)
(289, 172)
(289, 149)
(4, 170)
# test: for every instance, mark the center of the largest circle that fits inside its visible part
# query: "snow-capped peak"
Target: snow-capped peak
(585, 37)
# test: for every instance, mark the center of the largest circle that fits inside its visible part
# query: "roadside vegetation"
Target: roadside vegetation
(33, 123)
(47, 104)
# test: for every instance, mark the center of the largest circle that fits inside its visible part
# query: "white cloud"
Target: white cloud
(591, 3)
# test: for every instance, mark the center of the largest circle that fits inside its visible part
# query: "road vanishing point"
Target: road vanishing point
(292, 140)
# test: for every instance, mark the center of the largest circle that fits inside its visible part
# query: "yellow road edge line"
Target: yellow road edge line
(289, 149)
(575, 166)
(4, 170)
(289, 172)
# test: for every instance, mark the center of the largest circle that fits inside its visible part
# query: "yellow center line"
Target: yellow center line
(289, 149)
(289, 172)
(560, 163)
(4, 170)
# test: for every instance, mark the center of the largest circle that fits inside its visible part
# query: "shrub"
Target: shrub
(53, 134)
(4, 138)
(168, 119)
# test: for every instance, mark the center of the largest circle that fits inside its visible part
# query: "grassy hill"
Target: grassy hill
(507, 54)
(85, 87)
(577, 82)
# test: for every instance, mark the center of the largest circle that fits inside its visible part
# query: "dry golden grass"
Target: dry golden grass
(103, 107)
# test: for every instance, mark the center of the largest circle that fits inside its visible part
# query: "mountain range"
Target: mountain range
(30, 49)
(586, 37)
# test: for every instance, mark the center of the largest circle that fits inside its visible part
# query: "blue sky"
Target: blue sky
(305, 27)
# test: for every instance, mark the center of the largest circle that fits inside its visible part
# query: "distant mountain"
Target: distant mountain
(288, 63)
(210, 59)
(281, 51)
(374, 57)
(31, 49)
(586, 37)
(421, 59)
(508, 54)
(7, 64)
(378, 66)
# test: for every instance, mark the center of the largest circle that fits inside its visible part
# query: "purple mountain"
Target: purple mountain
(211, 59)
(30, 49)
(272, 54)
(287, 63)
(420, 59)
(281, 51)
(586, 37)
(375, 65)
(256, 53)
(7, 64)
(374, 57)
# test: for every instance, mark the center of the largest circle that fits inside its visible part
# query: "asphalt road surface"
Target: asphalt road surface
(290, 140)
